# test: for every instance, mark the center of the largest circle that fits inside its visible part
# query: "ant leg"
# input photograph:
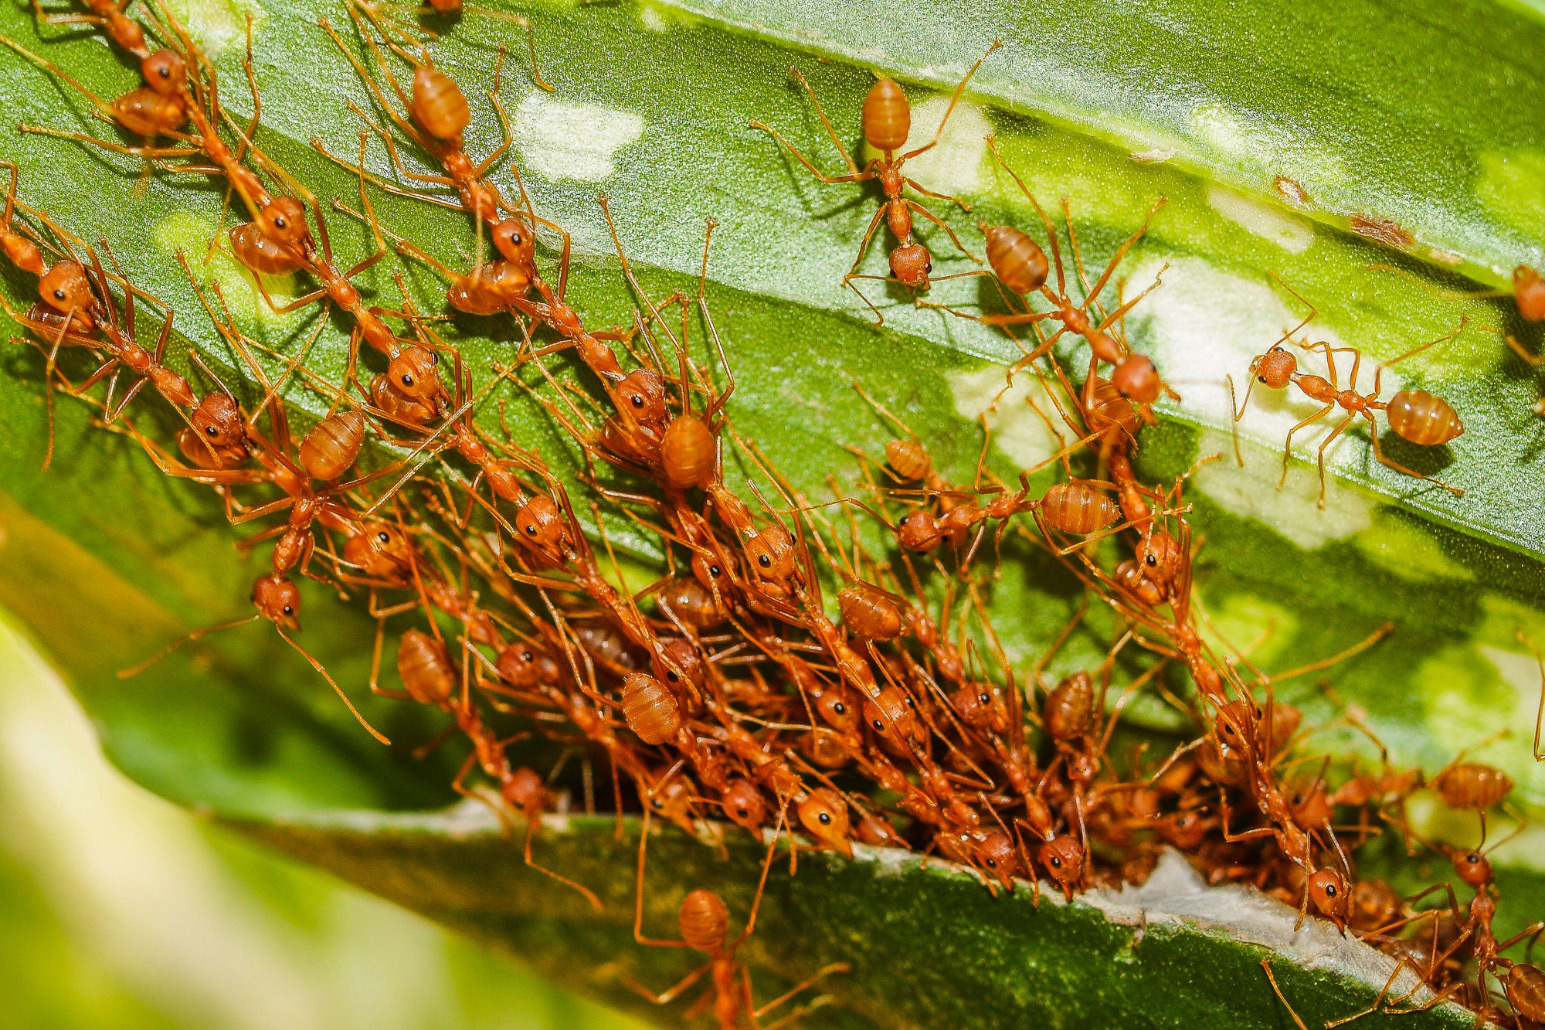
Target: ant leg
(936, 220)
(1433, 343)
(863, 246)
(673, 993)
(1266, 965)
(1378, 452)
(1329, 439)
(1287, 451)
(830, 131)
(856, 175)
(954, 100)
(822, 973)
(533, 820)
(1121, 251)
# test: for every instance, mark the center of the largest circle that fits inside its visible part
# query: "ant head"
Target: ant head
(165, 72)
(704, 921)
(910, 264)
(277, 600)
(824, 815)
(887, 116)
(678, 661)
(981, 706)
(1016, 259)
(520, 665)
(641, 396)
(1159, 555)
(283, 220)
(524, 792)
(1275, 368)
(65, 287)
(744, 805)
(514, 239)
(689, 452)
(412, 372)
(541, 523)
(837, 706)
(1135, 378)
(380, 550)
(1063, 858)
(1330, 893)
(710, 571)
(1473, 867)
(772, 555)
(919, 531)
(218, 419)
(1529, 292)
(996, 853)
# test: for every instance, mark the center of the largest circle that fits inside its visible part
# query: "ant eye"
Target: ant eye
(840, 708)
(1151, 560)
(638, 401)
(992, 863)
(879, 726)
(531, 531)
(764, 561)
(1261, 378)
(670, 675)
(1056, 863)
(211, 431)
(1330, 890)
(384, 536)
(714, 571)
(742, 812)
(289, 610)
(280, 223)
(825, 818)
(59, 294)
(434, 359)
(527, 656)
(983, 698)
(407, 380)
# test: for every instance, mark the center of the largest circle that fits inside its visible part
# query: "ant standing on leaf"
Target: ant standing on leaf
(887, 123)
(1415, 415)
(704, 922)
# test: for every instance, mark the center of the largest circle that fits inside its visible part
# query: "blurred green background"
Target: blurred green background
(119, 910)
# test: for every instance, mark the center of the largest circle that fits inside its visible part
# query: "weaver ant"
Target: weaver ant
(887, 122)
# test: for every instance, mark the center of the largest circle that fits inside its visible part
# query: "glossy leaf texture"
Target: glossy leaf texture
(106, 560)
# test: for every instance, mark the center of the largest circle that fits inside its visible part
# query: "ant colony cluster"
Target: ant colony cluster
(827, 673)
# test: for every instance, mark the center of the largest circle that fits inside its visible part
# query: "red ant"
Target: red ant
(1020, 264)
(1415, 415)
(704, 922)
(887, 122)
(106, 15)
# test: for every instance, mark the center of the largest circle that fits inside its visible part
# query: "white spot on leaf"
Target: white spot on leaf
(1287, 232)
(1293, 511)
(1020, 417)
(572, 141)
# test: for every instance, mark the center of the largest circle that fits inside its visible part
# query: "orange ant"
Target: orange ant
(704, 922)
(1019, 264)
(398, 36)
(430, 678)
(1415, 415)
(106, 15)
(887, 122)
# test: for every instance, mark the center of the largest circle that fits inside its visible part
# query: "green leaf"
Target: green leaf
(1430, 127)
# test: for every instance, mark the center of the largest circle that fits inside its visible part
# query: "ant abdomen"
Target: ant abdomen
(1016, 259)
(650, 709)
(1423, 418)
(869, 613)
(1078, 508)
(428, 674)
(689, 453)
(439, 105)
(332, 445)
(887, 116)
(704, 921)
